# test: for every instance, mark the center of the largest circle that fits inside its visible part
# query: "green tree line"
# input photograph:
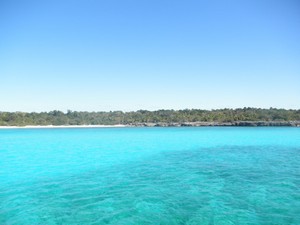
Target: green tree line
(144, 116)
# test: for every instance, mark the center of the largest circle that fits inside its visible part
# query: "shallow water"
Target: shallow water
(206, 176)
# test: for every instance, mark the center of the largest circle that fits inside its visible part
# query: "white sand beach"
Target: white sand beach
(62, 126)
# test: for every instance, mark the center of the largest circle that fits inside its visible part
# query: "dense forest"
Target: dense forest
(143, 116)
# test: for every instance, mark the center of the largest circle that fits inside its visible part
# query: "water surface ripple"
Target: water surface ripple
(205, 176)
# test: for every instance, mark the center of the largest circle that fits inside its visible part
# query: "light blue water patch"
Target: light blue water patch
(209, 176)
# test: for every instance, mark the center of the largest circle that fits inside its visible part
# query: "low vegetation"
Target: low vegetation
(143, 116)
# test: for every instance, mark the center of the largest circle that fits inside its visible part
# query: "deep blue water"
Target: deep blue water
(205, 176)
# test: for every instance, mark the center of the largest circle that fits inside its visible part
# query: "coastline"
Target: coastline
(60, 126)
(164, 124)
(223, 124)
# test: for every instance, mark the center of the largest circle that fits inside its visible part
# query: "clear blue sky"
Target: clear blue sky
(133, 54)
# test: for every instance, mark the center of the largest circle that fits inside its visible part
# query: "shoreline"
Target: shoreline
(175, 124)
(60, 126)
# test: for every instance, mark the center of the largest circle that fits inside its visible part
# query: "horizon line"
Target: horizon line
(161, 109)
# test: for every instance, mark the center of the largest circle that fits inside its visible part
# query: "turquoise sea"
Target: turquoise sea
(203, 176)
